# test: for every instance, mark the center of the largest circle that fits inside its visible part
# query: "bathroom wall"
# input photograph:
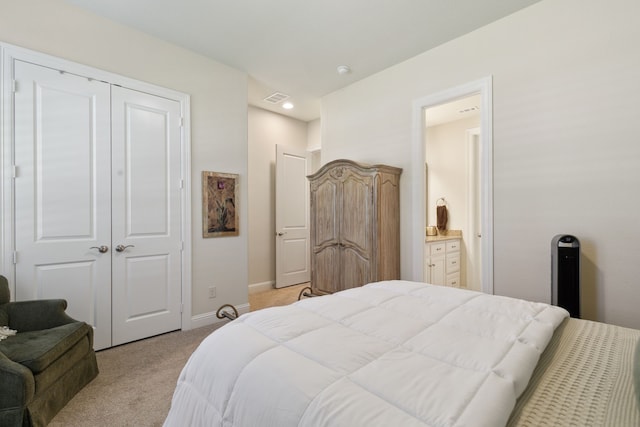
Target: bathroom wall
(446, 158)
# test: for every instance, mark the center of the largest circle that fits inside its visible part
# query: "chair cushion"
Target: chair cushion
(4, 290)
(38, 349)
(4, 317)
(59, 368)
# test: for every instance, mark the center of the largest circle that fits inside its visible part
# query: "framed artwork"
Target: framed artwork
(219, 204)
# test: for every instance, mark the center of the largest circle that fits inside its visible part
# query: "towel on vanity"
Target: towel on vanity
(442, 217)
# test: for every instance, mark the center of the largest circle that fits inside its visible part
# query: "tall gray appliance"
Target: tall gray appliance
(565, 273)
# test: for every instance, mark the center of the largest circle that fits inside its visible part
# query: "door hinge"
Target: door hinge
(181, 122)
(181, 184)
(15, 257)
(15, 171)
(14, 86)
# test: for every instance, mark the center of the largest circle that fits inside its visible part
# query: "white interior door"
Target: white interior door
(147, 241)
(292, 217)
(62, 193)
(98, 202)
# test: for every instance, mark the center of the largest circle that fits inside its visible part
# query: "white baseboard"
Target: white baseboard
(210, 318)
(259, 287)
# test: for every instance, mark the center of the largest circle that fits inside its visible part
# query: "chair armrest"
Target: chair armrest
(18, 384)
(36, 315)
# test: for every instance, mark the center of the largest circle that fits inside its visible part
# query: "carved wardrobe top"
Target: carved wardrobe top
(333, 167)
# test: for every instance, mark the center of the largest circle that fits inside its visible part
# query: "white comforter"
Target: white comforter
(388, 354)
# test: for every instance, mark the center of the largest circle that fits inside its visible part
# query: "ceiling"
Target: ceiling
(464, 108)
(295, 46)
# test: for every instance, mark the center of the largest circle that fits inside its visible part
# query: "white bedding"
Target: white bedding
(392, 353)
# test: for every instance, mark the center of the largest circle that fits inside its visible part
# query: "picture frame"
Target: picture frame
(219, 204)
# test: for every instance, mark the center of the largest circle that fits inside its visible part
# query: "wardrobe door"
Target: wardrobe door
(147, 242)
(62, 193)
(325, 234)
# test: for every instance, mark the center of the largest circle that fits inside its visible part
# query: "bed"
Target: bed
(399, 353)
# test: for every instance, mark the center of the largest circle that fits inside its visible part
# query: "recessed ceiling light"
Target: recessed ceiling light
(287, 106)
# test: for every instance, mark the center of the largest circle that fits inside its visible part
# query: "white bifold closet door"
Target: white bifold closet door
(97, 202)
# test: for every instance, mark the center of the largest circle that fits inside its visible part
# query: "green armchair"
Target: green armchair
(45, 364)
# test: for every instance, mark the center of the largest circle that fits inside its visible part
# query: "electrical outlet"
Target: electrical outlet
(212, 291)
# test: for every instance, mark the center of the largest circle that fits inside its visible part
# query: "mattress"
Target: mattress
(389, 353)
(584, 378)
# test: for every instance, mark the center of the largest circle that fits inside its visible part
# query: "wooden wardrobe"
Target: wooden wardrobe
(355, 225)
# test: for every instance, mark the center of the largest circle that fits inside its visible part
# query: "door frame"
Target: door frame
(473, 164)
(484, 87)
(10, 53)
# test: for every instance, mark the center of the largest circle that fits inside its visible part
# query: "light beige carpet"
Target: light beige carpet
(136, 380)
(135, 383)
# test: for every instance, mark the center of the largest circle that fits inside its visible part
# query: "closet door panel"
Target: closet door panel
(146, 185)
(146, 175)
(62, 193)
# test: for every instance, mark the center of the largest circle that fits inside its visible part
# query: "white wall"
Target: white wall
(314, 135)
(218, 116)
(266, 130)
(565, 89)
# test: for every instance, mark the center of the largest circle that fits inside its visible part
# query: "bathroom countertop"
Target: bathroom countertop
(450, 235)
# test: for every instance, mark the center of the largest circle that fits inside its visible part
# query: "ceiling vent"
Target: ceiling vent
(276, 97)
(468, 109)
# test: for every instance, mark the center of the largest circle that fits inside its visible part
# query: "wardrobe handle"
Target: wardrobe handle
(121, 248)
(102, 249)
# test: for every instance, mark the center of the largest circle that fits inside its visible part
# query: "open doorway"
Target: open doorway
(483, 89)
(452, 158)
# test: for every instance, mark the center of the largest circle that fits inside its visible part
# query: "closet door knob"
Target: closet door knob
(121, 248)
(102, 249)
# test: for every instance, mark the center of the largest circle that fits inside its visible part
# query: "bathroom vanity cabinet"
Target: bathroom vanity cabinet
(442, 262)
